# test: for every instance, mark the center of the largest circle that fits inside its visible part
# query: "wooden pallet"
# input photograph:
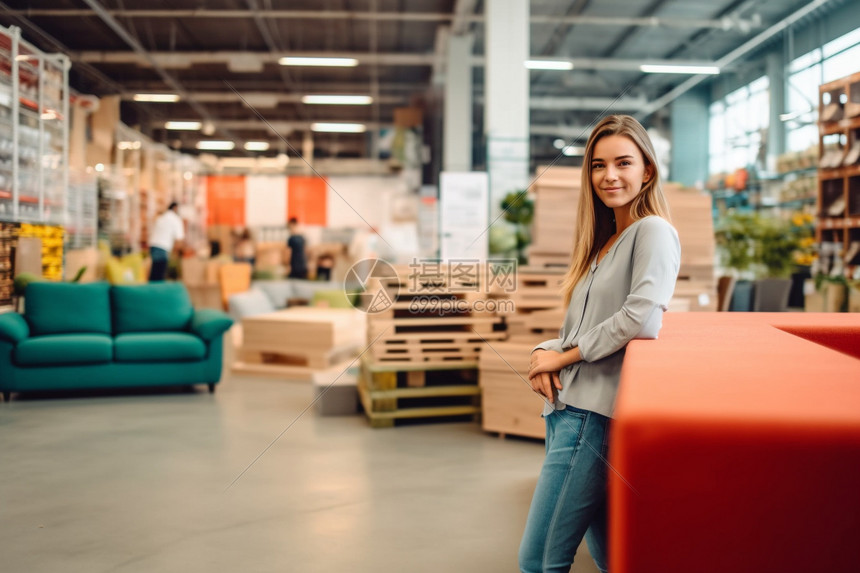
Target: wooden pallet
(287, 372)
(389, 393)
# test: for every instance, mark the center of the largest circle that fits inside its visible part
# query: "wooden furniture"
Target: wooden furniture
(297, 342)
(839, 168)
(740, 426)
(233, 278)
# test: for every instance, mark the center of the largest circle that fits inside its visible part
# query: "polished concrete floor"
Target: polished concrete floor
(249, 480)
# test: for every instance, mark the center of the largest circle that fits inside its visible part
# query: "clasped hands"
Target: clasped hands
(544, 368)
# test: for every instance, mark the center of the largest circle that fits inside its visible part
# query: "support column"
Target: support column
(457, 130)
(690, 127)
(776, 128)
(506, 109)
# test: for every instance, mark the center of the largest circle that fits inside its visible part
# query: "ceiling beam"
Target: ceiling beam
(461, 18)
(730, 58)
(184, 60)
(141, 52)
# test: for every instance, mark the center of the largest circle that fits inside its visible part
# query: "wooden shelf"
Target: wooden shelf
(839, 185)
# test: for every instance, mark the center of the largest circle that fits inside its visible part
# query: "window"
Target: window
(737, 125)
(836, 59)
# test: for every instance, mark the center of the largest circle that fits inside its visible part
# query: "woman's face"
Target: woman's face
(618, 170)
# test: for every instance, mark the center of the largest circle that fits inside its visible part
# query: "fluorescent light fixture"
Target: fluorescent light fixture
(157, 98)
(338, 127)
(337, 99)
(183, 125)
(326, 62)
(571, 151)
(215, 145)
(256, 145)
(559, 143)
(679, 69)
(549, 65)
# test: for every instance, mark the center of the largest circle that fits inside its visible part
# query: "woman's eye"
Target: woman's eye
(625, 163)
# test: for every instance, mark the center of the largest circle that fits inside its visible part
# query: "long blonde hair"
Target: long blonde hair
(595, 222)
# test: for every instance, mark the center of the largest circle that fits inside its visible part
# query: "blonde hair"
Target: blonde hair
(595, 222)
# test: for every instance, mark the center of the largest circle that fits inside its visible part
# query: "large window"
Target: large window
(834, 60)
(737, 127)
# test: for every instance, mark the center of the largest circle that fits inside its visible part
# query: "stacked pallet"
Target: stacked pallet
(425, 345)
(557, 192)
(692, 217)
(537, 290)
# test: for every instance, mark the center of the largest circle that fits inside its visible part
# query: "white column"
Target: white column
(457, 127)
(506, 110)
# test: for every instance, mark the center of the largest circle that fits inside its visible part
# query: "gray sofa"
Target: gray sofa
(271, 295)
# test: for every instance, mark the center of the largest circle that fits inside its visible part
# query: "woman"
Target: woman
(625, 261)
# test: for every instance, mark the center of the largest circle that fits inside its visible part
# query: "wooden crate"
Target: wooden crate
(389, 393)
(538, 288)
(509, 406)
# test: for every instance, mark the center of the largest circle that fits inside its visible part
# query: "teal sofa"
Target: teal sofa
(85, 336)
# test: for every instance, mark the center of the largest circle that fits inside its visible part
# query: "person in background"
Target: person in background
(621, 278)
(167, 234)
(244, 251)
(325, 263)
(298, 257)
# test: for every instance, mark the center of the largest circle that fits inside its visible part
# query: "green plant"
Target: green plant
(735, 241)
(79, 275)
(761, 246)
(519, 210)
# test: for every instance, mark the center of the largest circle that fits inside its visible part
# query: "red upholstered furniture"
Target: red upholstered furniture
(736, 446)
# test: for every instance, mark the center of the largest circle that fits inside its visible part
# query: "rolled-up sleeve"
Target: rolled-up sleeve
(656, 261)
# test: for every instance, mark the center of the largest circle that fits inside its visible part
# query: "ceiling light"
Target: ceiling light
(679, 69)
(183, 125)
(571, 151)
(215, 145)
(328, 62)
(157, 98)
(337, 99)
(559, 143)
(256, 145)
(338, 127)
(549, 65)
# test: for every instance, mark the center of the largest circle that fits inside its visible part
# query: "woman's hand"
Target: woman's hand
(544, 367)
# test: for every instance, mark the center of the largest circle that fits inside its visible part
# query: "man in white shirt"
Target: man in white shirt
(167, 231)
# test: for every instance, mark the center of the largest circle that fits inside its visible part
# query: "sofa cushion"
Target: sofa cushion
(249, 303)
(62, 308)
(154, 307)
(64, 349)
(158, 347)
(278, 291)
(306, 289)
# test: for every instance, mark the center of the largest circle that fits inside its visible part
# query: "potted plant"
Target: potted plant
(734, 236)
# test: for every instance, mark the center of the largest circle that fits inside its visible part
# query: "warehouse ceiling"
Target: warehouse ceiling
(221, 57)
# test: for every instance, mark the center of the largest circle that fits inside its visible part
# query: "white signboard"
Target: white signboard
(464, 216)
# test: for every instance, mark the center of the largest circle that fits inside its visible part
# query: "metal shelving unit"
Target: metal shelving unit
(34, 149)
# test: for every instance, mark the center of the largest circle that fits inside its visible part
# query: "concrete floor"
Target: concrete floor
(141, 482)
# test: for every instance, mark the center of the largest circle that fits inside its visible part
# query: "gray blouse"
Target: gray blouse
(620, 299)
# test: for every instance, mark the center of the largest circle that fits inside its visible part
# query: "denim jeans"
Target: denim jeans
(158, 270)
(569, 502)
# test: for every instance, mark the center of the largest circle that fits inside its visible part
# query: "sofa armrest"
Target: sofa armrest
(13, 327)
(208, 323)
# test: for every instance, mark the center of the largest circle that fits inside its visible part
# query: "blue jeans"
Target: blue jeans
(158, 270)
(569, 502)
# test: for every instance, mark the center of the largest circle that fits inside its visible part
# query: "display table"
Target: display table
(736, 446)
(299, 341)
